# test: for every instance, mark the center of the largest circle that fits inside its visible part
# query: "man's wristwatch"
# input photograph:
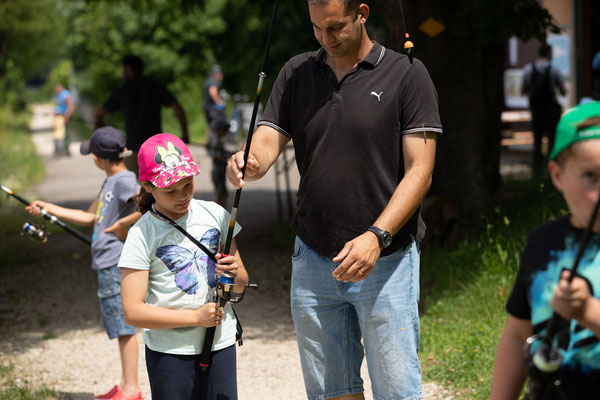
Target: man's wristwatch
(384, 237)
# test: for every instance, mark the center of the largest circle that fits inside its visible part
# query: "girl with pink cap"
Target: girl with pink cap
(168, 281)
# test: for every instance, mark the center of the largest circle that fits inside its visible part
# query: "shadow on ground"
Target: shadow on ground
(47, 290)
(75, 396)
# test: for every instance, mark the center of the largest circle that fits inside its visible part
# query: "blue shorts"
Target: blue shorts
(109, 293)
(178, 377)
(331, 316)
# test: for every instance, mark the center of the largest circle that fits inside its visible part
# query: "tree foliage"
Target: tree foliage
(181, 42)
(173, 42)
(466, 62)
(30, 37)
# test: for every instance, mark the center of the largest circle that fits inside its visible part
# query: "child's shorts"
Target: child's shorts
(109, 293)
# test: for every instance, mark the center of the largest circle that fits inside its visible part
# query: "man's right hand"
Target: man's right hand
(235, 165)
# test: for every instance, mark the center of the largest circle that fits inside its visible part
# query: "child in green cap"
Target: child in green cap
(542, 286)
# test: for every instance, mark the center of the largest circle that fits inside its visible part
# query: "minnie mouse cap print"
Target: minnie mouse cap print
(164, 159)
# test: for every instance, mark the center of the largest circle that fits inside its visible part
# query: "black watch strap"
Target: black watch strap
(384, 237)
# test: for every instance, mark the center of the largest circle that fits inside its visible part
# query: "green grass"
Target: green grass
(17, 389)
(20, 165)
(464, 290)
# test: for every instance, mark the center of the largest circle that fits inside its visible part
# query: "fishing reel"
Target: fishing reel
(542, 367)
(224, 289)
(35, 232)
(225, 292)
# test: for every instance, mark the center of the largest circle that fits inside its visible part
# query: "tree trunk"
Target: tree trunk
(468, 77)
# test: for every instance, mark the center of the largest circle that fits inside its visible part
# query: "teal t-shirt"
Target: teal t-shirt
(181, 276)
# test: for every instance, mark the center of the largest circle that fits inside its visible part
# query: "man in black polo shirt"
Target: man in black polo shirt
(364, 122)
(140, 100)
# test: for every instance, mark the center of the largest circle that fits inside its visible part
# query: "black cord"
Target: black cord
(175, 225)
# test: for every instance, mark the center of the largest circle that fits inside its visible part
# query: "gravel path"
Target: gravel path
(50, 325)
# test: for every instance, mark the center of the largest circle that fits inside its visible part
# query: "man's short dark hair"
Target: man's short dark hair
(349, 5)
(133, 62)
(545, 51)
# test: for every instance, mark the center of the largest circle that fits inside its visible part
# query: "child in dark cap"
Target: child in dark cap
(111, 214)
(542, 286)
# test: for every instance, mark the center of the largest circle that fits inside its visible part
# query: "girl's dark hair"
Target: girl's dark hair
(144, 200)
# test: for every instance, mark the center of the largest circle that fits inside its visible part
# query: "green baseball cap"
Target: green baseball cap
(566, 131)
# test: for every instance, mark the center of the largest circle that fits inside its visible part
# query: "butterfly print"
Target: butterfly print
(191, 265)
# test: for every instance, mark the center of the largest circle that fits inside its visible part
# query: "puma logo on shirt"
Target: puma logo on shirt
(377, 95)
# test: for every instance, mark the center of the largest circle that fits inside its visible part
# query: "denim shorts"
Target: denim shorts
(331, 316)
(109, 293)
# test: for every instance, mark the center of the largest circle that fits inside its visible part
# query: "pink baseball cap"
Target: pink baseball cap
(164, 159)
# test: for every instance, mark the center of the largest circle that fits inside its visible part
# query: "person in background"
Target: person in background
(220, 156)
(62, 114)
(541, 82)
(140, 99)
(214, 105)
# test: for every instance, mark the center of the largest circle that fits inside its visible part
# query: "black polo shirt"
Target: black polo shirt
(348, 140)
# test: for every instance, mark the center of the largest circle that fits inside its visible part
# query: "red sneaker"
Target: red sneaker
(108, 395)
(120, 396)
(116, 394)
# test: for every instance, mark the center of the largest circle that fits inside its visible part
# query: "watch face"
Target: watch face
(386, 240)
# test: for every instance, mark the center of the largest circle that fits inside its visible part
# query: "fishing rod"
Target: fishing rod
(546, 360)
(39, 233)
(409, 46)
(226, 279)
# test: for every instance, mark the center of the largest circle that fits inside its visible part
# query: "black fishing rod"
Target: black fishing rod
(546, 361)
(409, 46)
(38, 232)
(226, 279)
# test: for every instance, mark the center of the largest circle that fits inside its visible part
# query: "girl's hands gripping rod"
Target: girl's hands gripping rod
(210, 315)
(231, 265)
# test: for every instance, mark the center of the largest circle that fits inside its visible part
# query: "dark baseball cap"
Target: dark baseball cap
(107, 143)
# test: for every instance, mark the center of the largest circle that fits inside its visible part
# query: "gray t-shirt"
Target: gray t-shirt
(114, 202)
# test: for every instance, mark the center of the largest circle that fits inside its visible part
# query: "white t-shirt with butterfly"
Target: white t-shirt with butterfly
(181, 276)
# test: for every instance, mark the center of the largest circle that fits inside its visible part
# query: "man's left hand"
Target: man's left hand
(358, 258)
